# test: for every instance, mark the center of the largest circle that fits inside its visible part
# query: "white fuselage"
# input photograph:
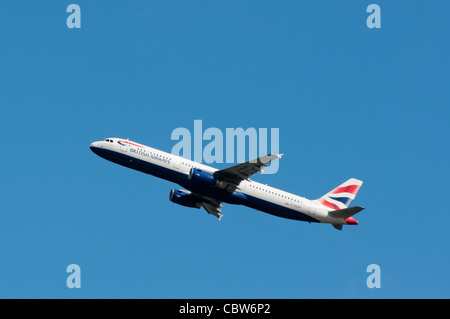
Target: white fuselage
(176, 169)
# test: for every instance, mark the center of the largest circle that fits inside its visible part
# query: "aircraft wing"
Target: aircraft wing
(235, 174)
(213, 209)
(211, 205)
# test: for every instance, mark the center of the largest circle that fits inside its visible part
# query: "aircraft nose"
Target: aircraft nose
(94, 144)
(95, 147)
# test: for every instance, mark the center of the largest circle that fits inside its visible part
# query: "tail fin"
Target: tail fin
(342, 196)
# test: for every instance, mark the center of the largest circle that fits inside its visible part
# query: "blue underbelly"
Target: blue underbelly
(182, 179)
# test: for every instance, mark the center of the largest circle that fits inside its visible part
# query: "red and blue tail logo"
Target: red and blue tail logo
(342, 196)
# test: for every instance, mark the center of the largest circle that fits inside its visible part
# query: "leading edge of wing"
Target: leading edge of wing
(243, 171)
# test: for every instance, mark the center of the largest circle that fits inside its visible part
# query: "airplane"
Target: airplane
(208, 187)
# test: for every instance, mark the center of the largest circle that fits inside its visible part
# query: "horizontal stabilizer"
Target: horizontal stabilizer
(346, 212)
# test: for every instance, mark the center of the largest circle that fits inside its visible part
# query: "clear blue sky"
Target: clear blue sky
(349, 101)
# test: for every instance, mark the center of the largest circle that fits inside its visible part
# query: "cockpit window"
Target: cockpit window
(107, 140)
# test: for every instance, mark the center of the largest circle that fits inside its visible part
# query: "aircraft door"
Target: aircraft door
(176, 163)
(123, 146)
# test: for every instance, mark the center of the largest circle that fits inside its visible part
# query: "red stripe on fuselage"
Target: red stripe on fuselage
(126, 142)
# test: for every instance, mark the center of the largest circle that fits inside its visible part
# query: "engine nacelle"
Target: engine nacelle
(183, 198)
(202, 177)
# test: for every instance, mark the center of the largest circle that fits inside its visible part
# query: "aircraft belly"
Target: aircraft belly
(214, 192)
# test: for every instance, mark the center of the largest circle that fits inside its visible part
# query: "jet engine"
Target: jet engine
(183, 198)
(205, 178)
